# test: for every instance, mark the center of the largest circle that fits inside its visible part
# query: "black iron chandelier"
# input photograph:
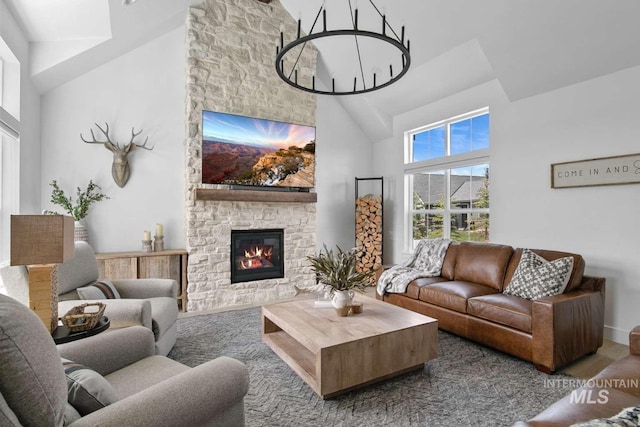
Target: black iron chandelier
(361, 85)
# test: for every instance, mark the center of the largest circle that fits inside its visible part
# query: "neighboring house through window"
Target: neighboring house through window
(447, 179)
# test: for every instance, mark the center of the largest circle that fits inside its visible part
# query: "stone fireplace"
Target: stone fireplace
(230, 68)
(210, 252)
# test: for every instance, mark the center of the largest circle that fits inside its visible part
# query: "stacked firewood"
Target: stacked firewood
(369, 232)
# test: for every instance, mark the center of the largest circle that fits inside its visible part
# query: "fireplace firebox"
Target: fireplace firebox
(257, 255)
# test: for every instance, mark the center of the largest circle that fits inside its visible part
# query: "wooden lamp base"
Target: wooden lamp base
(43, 293)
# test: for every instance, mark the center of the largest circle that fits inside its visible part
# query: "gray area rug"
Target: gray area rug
(467, 385)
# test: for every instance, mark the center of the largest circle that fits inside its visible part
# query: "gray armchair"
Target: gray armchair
(151, 303)
(150, 390)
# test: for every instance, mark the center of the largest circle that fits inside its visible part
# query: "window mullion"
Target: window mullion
(446, 217)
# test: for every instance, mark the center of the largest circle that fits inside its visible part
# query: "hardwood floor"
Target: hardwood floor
(589, 366)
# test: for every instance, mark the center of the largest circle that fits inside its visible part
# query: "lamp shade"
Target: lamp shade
(41, 239)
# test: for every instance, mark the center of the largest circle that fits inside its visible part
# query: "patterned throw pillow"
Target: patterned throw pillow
(88, 391)
(535, 277)
(102, 289)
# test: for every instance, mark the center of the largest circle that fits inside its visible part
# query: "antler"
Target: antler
(108, 144)
(120, 168)
(133, 136)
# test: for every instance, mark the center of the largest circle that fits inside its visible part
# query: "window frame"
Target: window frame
(9, 144)
(446, 164)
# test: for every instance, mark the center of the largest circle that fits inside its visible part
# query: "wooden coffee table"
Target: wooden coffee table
(334, 354)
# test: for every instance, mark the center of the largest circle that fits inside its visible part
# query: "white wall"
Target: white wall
(142, 89)
(343, 153)
(597, 118)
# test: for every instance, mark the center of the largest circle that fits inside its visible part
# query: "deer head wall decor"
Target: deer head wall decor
(120, 169)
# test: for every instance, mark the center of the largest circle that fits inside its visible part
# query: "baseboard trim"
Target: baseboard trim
(620, 336)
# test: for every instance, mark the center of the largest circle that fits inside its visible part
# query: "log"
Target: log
(369, 232)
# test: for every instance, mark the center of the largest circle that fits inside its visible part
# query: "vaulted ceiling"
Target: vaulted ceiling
(528, 46)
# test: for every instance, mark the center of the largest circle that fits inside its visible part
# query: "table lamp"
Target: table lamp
(41, 242)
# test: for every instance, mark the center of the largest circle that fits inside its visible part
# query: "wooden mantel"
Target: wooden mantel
(255, 196)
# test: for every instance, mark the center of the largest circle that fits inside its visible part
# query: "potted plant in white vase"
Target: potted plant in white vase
(79, 209)
(337, 270)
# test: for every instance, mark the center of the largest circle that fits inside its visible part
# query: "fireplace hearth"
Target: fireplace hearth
(257, 255)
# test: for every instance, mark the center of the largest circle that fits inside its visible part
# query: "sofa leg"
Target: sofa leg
(545, 369)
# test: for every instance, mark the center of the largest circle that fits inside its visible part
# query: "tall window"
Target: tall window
(447, 179)
(9, 146)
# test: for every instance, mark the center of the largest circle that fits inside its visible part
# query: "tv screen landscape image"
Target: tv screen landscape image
(240, 150)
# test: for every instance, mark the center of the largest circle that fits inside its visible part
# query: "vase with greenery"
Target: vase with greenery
(79, 208)
(337, 269)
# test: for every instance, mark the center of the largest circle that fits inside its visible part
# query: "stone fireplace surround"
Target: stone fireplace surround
(230, 54)
(209, 260)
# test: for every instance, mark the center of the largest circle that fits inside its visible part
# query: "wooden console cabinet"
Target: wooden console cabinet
(169, 264)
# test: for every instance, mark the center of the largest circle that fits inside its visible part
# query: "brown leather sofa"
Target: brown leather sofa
(604, 396)
(467, 300)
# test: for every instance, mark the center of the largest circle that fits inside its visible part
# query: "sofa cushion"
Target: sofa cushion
(483, 263)
(453, 294)
(81, 270)
(102, 289)
(507, 310)
(88, 391)
(7, 417)
(576, 273)
(449, 264)
(413, 290)
(536, 277)
(143, 374)
(32, 380)
(16, 282)
(70, 414)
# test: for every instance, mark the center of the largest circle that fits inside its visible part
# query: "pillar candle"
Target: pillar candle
(147, 235)
(159, 231)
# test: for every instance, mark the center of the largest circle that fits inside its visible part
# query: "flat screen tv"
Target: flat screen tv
(247, 151)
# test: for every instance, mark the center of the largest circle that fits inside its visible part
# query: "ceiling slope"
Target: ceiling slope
(528, 46)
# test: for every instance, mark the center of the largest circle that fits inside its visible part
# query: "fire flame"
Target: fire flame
(258, 252)
(254, 256)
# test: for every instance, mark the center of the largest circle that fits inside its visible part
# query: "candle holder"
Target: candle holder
(158, 244)
(146, 246)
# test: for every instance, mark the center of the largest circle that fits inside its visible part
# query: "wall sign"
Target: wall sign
(602, 171)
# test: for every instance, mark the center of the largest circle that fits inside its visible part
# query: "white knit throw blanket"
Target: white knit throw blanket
(426, 261)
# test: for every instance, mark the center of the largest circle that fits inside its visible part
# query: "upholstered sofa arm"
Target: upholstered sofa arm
(209, 394)
(378, 272)
(634, 341)
(111, 350)
(146, 288)
(567, 326)
(121, 312)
